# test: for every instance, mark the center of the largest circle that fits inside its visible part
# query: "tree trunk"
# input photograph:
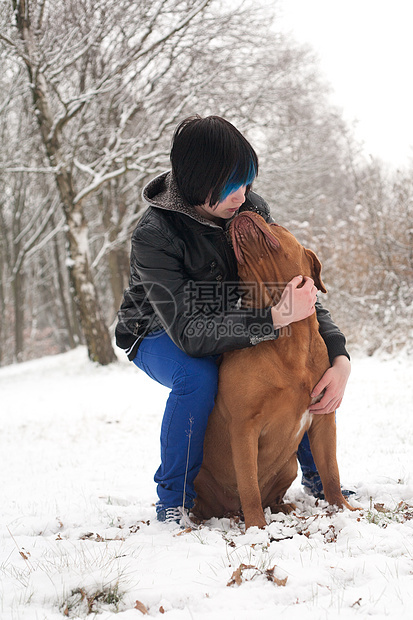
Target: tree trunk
(61, 292)
(93, 325)
(2, 300)
(117, 258)
(117, 276)
(18, 301)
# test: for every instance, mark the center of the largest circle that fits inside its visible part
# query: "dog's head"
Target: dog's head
(269, 254)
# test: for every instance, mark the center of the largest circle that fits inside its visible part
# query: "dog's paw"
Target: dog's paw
(284, 507)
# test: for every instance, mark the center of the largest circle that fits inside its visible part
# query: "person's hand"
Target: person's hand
(295, 303)
(334, 382)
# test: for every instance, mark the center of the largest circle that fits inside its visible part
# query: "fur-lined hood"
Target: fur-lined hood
(163, 192)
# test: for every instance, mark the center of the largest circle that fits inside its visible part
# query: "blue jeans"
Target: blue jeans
(194, 383)
(305, 458)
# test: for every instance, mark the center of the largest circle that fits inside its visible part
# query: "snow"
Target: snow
(79, 447)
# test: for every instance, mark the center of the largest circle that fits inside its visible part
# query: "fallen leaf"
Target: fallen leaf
(271, 577)
(141, 607)
(236, 576)
(187, 530)
(280, 582)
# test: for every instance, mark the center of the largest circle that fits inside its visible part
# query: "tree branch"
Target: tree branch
(36, 170)
(27, 249)
(13, 44)
(134, 57)
(99, 180)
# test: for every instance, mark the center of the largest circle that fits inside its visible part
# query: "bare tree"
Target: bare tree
(61, 108)
(27, 205)
(104, 85)
(107, 86)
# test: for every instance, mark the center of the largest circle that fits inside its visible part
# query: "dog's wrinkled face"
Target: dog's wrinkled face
(251, 237)
(270, 254)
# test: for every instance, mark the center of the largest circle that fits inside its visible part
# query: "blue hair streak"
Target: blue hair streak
(239, 178)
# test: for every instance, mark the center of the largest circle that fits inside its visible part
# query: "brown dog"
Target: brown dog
(261, 410)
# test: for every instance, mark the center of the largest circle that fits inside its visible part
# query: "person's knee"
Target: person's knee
(200, 376)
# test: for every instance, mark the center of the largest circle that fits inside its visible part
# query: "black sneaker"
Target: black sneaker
(312, 484)
(174, 514)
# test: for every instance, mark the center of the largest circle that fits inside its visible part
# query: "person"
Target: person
(181, 310)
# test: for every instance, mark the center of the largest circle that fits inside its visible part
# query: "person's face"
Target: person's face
(225, 209)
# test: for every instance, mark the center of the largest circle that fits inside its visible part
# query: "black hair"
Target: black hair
(210, 159)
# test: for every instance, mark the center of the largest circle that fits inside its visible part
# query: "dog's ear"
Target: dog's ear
(316, 270)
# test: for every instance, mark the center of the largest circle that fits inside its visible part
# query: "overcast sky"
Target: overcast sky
(366, 52)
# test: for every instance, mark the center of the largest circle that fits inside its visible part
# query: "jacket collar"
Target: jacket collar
(162, 192)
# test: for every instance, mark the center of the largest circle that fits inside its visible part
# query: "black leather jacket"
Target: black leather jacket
(184, 279)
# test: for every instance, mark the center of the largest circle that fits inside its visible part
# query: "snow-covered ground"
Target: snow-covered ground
(79, 446)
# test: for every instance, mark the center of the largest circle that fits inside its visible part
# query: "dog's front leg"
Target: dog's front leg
(322, 436)
(244, 445)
